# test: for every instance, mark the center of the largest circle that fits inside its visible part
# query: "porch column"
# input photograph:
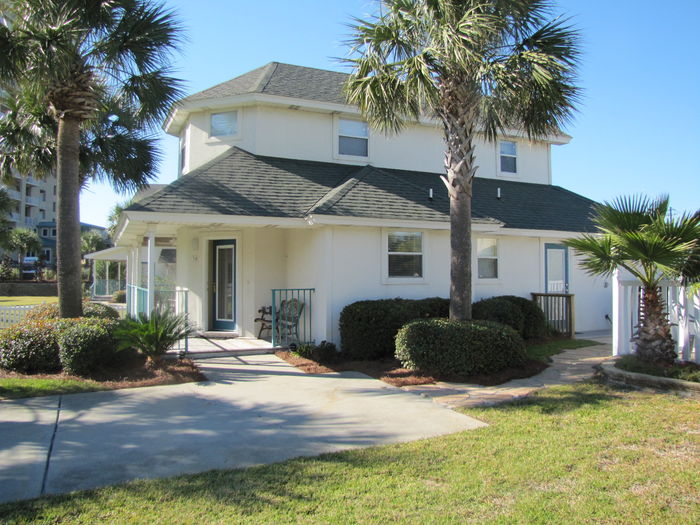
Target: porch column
(107, 278)
(119, 275)
(151, 271)
(94, 278)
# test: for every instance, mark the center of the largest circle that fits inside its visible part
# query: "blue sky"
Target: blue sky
(638, 129)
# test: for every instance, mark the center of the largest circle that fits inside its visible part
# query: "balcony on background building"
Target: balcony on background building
(14, 194)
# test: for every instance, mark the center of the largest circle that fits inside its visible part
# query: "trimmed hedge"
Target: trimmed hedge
(459, 348)
(30, 347)
(50, 311)
(86, 344)
(499, 310)
(368, 328)
(535, 324)
(324, 352)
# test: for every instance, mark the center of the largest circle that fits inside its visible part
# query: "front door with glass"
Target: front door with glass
(556, 268)
(224, 285)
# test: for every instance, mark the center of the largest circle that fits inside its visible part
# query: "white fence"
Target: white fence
(683, 310)
(10, 315)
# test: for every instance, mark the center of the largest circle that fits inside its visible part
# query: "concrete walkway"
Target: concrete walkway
(568, 367)
(254, 410)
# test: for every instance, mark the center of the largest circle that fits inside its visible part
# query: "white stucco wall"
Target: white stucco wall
(303, 134)
(347, 264)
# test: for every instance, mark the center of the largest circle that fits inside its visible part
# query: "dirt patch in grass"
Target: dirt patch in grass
(132, 372)
(390, 371)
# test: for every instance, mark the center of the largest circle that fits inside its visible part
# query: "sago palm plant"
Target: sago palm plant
(153, 335)
(643, 237)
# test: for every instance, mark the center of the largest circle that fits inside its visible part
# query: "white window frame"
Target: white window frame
(225, 137)
(336, 141)
(47, 254)
(496, 257)
(44, 232)
(499, 155)
(183, 153)
(386, 278)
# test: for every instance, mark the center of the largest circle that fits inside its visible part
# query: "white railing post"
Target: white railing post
(619, 305)
(151, 286)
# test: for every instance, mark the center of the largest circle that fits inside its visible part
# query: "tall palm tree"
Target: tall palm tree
(80, 60)
(642, 236)
(480, 67)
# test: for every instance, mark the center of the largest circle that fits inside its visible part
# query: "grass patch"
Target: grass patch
(542, 351)
(585, 453)
(130, 373)
(684, 371)
(23, 300)
(18, 387)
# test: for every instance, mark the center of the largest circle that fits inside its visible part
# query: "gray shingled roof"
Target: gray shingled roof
(284, 80)
(240, 183)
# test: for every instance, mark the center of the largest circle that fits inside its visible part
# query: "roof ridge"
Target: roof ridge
(408, 183)
(264, 80)
(335, 194)
(184, 178)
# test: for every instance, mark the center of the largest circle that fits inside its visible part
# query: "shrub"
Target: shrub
(459, 348)
(50, 311)
(85, 344)
(119, 296)
(368, 328)
(324, 352)
(499, 310)
(535, 324)
(153, 335)
(30, 347)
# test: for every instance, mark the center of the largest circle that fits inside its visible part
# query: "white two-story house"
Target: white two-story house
(283, 187)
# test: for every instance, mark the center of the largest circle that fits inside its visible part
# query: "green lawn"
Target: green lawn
(22, 300)
(16, 387)
(579, 454)
(543, 351)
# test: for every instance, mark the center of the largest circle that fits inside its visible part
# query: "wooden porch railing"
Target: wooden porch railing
(558, 308)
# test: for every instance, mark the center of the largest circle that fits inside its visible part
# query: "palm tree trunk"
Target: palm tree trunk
(654, 341)
(459, 118)
(70, 292)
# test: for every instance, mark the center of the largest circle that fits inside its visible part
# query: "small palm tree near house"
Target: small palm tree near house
(642, 236)
(89, 65)
(153, 335)
(92, 241)
(481, 67)
(23, 240)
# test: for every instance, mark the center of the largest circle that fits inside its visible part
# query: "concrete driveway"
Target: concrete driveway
(254, 410)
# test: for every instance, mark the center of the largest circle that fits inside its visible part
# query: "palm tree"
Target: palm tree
(23, 240)
(114, 214)
(92, 241)
(82, 60)
(642, 236)
(7, 205)
(478, 66)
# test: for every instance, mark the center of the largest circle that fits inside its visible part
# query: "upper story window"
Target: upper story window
(509, 156)
(405, 252)
(487, 258)
(53, 232)
(223, 124)
(44, 232)
(353, 138)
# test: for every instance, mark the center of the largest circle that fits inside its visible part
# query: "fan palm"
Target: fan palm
(82, 60)
(641, 236)
(154, 334)
(479, 66)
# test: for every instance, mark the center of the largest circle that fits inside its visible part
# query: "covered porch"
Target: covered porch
(108, 271)
(232, 281)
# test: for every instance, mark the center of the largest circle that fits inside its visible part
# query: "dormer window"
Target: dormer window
(509, 155)
(224, 124)
(353, 138)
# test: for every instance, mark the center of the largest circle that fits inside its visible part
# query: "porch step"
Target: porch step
(218, 334)
(195, 356)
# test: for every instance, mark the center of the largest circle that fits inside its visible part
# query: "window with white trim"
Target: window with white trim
(405, 254)
(223, 124)
(487, 258)
(509, 156)
(353, 138)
